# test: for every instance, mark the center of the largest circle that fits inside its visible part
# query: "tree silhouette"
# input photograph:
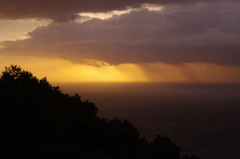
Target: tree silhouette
(39, 121)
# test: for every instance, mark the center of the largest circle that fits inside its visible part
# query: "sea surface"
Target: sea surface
(202, 119)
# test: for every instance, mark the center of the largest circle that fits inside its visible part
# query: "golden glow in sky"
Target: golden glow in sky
(59, 70)
(1, 47)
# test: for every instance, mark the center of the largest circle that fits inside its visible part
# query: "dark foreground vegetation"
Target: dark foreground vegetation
(38, 121)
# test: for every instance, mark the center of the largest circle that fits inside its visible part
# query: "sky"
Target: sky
(123, 41)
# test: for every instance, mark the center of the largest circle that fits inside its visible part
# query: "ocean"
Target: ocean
(202, 119)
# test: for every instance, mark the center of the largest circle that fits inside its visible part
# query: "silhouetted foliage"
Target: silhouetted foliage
(39, 121)
(190, 157)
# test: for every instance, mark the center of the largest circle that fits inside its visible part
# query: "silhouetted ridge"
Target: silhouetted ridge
(38, 121)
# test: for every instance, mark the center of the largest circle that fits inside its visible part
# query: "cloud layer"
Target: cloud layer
(201, 32)
(63, 10)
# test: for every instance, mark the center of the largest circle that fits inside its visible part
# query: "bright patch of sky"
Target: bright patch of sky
(16, 29)
(152, 7)
(102, 15)
(2, 47)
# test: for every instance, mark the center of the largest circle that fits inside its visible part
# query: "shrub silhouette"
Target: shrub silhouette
(39, 121)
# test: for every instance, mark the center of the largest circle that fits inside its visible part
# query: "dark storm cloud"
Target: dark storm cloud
(207, 33)
(63, 10)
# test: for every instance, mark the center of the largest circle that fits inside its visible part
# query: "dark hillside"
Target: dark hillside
(39, 121)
